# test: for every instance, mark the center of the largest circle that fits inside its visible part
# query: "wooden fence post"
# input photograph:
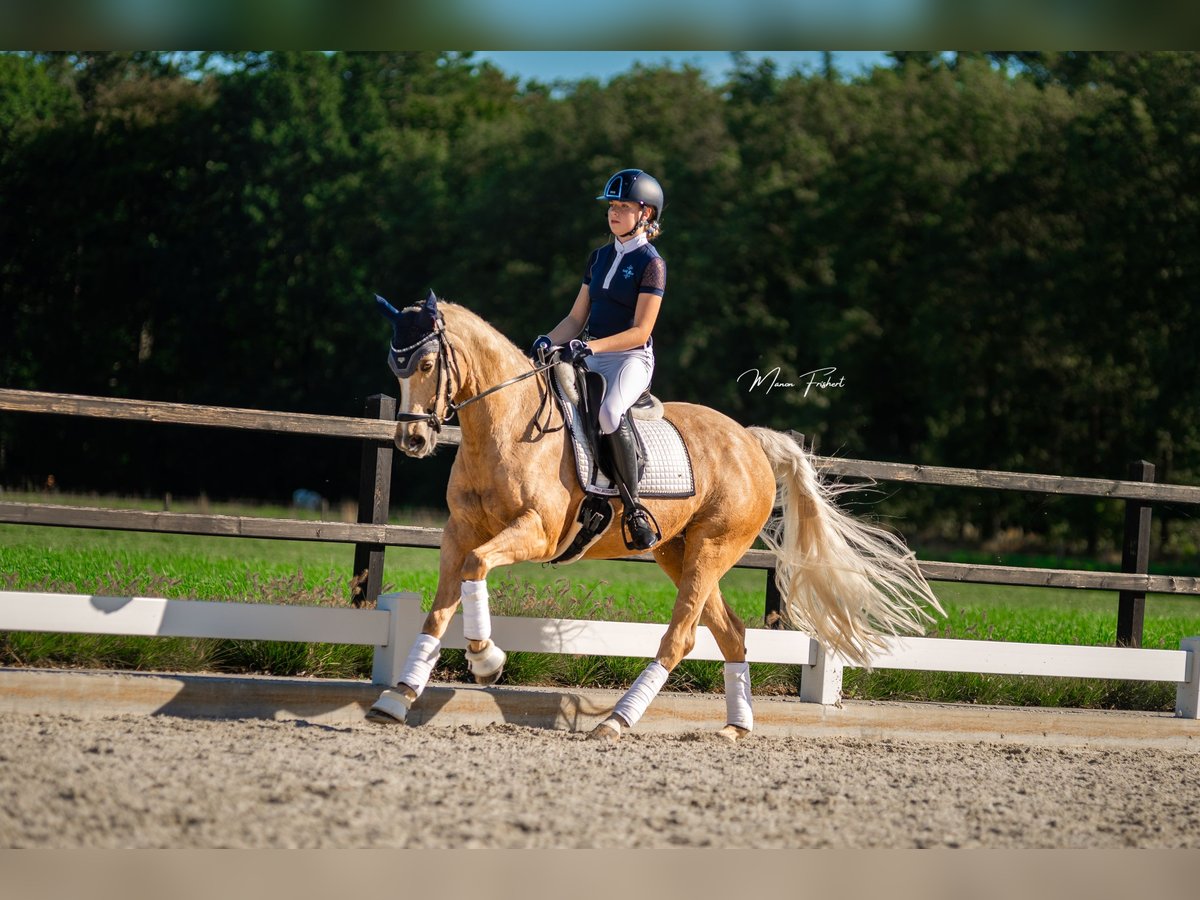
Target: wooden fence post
(374, 496)
(773, 608)
(1135, 557)
(773, 612)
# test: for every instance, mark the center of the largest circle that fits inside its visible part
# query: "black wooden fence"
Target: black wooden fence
(371, 534)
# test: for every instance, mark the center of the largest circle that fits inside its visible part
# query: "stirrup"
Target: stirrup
(639, 528)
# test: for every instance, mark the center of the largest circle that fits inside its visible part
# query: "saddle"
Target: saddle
(586, 397)
(664, 466)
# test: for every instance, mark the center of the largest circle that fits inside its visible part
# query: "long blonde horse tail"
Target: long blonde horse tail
(845, 581)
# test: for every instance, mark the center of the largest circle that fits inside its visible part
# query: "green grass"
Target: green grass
(249, 570)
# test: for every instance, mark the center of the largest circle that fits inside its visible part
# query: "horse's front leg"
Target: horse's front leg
(394, 703)
(462, 578)
(525, 538)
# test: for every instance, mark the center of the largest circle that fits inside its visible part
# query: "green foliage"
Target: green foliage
(30, 99)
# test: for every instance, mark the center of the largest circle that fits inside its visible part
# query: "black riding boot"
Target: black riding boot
(639, 529)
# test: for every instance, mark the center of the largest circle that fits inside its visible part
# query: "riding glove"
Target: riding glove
(576, 351)
(541, 348)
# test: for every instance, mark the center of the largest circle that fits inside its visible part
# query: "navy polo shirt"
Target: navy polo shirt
(616, 274)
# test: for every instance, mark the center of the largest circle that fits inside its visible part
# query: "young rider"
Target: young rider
(615, 312)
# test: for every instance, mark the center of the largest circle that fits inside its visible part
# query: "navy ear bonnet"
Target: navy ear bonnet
(416, 332)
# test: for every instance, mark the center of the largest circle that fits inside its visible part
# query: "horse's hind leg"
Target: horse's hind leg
(712, 612)
(728, 630)
(730, 634)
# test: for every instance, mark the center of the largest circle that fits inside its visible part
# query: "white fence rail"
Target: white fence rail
(155, 617)
(391, 628)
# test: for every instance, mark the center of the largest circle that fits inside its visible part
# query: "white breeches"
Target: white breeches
(628, 374)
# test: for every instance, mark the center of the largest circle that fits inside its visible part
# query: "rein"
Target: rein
(447, 359)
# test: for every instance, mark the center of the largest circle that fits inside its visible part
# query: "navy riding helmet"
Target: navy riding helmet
(635, 185)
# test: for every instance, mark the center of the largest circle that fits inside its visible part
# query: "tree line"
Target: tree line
(976, 259)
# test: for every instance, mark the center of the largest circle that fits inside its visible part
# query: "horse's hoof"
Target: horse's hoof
(487, 665)
(390, 709)
(734, 733)
(379, 717)
(487, 680)
(607, 731)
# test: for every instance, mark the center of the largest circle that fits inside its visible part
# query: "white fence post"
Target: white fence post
(822, 681)
(389, 656)
(1187, 693)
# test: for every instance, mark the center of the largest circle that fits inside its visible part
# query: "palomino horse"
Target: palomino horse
(513, 496)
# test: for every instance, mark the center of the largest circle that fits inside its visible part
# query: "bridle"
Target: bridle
(448, 371)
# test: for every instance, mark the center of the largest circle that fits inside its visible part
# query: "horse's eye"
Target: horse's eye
(427, 366)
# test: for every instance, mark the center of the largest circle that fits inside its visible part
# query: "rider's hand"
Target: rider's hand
(541, 348)
(576, 351)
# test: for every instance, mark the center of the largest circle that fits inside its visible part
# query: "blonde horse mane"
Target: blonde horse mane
(846, 581)
(486, 338)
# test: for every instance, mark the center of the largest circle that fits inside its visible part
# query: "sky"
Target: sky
(572, 65)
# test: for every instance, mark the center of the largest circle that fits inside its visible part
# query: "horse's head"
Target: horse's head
(419, 358)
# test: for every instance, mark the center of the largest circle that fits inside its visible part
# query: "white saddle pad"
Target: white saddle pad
(668, 465)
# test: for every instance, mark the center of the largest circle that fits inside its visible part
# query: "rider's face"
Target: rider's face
(624, 216)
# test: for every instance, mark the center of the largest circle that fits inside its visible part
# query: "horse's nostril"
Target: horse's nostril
(415, 442)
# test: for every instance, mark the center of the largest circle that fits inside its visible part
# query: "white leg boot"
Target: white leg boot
(633, 704)
(739, 715)
(486, 664)
(393, 704)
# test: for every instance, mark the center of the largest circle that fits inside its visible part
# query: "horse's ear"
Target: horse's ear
(431, 301)
(387, 309)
